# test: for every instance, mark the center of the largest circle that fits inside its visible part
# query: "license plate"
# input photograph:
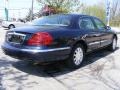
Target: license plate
(15, 38)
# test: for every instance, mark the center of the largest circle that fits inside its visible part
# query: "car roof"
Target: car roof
(76, 15)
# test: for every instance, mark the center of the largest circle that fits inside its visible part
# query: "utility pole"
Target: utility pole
(108, 11)
(31, 16)
(6, 9)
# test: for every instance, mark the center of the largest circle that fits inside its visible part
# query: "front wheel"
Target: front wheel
(76, 57)
(113, 46)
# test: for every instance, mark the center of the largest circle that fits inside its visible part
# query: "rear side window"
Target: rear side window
(99, 24)
(53, 20)
(86, 23)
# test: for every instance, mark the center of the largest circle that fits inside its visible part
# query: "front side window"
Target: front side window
(99, 24)
(86, 23)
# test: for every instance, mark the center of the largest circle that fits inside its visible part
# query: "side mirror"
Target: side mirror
(108, 27)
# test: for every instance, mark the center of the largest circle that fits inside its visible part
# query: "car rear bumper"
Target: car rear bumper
(37, 55)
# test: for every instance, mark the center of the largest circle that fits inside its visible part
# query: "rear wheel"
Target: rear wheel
(76, 57)
(11, 26)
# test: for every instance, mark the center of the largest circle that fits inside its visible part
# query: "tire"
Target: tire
(11, 26)
(76, 57)
(113, 45)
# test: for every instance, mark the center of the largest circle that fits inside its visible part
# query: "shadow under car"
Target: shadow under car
(58, 68)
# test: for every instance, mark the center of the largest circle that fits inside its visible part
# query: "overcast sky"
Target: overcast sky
(22, 7)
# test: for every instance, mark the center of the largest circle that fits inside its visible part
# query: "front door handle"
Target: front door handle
(96, 35)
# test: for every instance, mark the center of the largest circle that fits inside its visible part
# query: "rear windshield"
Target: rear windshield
(58, 20)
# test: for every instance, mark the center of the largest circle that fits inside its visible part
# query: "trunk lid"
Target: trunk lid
(20, 36)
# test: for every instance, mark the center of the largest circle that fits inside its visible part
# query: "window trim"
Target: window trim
(81, 18)
(96, 24)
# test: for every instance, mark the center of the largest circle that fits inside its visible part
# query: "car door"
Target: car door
(106, 35)
(92, 37)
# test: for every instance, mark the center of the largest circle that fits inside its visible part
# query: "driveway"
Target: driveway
(99, 71)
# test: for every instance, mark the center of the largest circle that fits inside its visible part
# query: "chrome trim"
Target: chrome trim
(104, 41)
(97, 42)
(14, 33)
(94, 43)
(47, 50)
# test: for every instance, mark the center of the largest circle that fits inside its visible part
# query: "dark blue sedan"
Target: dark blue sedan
(59, 37)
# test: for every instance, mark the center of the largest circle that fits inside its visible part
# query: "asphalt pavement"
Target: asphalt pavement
(99, 71)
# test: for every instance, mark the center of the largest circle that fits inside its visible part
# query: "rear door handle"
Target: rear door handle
(85, 36)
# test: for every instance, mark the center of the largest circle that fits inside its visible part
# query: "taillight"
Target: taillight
(40, 38)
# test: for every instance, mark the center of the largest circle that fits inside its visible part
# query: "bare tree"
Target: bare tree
(115, 10)
(115, 13)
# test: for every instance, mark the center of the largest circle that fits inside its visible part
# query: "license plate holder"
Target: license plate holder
(16, 38)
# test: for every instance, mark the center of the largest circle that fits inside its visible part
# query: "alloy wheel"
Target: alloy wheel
(78, 56)
(114, 44)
